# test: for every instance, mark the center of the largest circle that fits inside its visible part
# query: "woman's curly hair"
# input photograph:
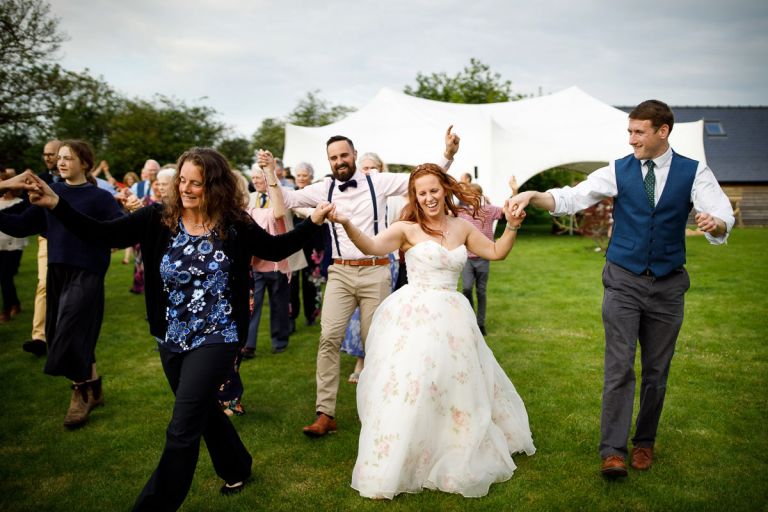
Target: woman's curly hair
(222, 201)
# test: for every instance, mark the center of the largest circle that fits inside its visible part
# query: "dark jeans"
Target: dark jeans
(276, 283)
(195, 377)
(9, 265)
(647, 310)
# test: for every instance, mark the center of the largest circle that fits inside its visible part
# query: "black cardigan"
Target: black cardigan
(145, 226)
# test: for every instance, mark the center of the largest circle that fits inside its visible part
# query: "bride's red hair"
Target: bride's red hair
(453, 190)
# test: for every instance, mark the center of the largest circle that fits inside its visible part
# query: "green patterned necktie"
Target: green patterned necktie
(650, 184)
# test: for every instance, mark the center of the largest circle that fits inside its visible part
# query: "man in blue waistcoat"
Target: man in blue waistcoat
(644, 277)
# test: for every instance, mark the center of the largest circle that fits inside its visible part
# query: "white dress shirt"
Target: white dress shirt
(706, 194)
(354, 203)
(8, 242)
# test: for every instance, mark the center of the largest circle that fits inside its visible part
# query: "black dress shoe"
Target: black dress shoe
(249, 353)
(36, 347)
(279, 350)
(230, 489)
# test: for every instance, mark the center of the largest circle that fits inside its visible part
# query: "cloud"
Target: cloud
(256, 59)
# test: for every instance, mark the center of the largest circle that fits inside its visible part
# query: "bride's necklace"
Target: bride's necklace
(443, 230)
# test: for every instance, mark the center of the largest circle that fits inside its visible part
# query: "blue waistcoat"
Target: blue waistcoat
(651, 239)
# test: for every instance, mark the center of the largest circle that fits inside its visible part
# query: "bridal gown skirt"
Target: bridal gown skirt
(437, 410)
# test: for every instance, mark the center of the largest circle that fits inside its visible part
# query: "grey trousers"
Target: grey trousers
(649, 310)
(476, 272)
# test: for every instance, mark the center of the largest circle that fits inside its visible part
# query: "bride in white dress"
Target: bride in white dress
(437, 410)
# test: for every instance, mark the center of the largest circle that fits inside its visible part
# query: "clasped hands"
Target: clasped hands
(40, 194)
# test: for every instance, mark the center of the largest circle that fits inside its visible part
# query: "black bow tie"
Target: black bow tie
(351, 183)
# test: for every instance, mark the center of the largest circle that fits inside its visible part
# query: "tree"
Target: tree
(29, 39)
(238, 151)
(474, 84)
(270, 136)
(161, 129)
(85, 110)
(314, 111)
(311, 111)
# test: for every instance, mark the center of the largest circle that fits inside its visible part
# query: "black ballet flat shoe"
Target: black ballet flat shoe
(37, 347)
(229, 490)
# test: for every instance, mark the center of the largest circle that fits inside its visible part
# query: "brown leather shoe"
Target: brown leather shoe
(324, 424)
(78, 411)
(95, 394)
(642, 458)
(613, 466)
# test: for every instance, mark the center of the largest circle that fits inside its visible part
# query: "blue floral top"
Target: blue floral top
(195, 273)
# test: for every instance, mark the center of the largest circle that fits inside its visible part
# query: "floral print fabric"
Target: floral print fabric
(195, 274)
(437, 410)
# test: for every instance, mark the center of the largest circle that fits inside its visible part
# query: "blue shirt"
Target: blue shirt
(195, 274)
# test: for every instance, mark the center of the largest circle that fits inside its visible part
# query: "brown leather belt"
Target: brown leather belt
(367, 262)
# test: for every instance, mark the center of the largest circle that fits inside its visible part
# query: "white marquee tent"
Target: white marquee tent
(565, 129)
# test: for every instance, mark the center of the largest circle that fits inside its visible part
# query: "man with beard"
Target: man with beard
(355, 279)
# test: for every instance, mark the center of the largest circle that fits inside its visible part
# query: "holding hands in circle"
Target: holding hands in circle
(514, 216)
(321, 211)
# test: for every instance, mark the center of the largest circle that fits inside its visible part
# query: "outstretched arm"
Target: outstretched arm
(385, 242)
(267, 163)
(498, 250)
(277, 247)
(516, 204)
(23, 181)
(451, 144)
(119, 232)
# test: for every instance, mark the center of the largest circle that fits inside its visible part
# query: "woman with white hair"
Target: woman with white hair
(164, 181)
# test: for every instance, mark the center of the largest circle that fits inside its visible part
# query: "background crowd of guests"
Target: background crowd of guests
(207, 245)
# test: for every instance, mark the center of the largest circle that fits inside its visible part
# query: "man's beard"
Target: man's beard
(348, 172)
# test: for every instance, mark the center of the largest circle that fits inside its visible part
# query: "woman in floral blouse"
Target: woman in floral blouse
(197, 250)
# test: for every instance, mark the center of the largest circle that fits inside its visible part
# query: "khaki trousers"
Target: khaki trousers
(348, 287)
(38, 317)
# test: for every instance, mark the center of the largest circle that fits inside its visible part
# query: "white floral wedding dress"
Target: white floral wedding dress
(437, 410)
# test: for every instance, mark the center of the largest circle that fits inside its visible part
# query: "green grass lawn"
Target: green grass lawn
(545, 329)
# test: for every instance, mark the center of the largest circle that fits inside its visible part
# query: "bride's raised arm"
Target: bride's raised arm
(385, 242)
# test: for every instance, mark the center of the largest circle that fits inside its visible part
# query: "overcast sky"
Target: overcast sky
(252, 59)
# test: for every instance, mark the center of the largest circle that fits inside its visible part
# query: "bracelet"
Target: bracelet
(272, 184)
(512, 228)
